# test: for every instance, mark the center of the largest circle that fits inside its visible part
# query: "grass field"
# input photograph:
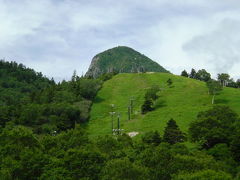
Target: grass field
(182, 102)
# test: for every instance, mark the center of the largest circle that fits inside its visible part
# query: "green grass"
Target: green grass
(182, 102)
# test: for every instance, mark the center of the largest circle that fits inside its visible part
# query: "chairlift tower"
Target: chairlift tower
(112, 116)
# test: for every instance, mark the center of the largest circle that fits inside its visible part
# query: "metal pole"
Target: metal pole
(112, 113)
(131, 102)
(112, 122)
(118, 123)
(129, 113)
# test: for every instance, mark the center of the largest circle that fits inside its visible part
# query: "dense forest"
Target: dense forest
(43, 135)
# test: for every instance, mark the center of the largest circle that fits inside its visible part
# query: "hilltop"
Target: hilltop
(122, 59)
(181, 102)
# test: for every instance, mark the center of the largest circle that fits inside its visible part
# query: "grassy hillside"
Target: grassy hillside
(181, 102)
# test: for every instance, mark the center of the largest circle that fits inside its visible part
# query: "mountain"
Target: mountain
(182, 102)
(122, 59)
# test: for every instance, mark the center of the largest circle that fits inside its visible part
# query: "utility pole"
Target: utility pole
(129, 113)
(112, 114)
(118, 127)
(131, 104)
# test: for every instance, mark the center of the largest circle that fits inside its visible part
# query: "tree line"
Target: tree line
(70, 154)
(223, 78)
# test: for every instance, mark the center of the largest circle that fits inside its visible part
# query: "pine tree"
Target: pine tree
(184, 73)
(147, 106)
(152, 137)
(169, 82)
(193, 74)
(172, 133)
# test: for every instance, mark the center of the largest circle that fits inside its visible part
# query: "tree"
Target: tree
(150, 96)
(214, 126)
(223, 78)
(152, 93)
(87, 88)
(232, 83)
(147, 106)
(204, 175)
(169, 82)
(152, 138)
(123, 169)
(238, 83)
(214, 88)
(193, 74)
(172, 133)
(203, 75)
(83, 163)
(235, 147)
(184, 73)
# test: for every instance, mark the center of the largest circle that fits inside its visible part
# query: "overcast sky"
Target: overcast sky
(58, 36)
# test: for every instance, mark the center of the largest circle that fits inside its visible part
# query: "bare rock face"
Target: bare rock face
(121, 60)
(93, 70)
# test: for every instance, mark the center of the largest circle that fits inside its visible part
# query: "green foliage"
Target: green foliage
(123, 169)
(150, 96)
(17, 81)
(223, 78)
(220, 152)
(42, 135)
(172, 133)
(214, 87)
(88, 88)
(147, 106)
(152, 138)
(169, 82)
(46, 107)
(70, 155)
(235, 146)
(193, 74)
(203, 75)
(204, 175)
(83, 163)
(62, 115)
(214, 126)
(152, 93)
(122, 60)
(184, 73)
(107, 76)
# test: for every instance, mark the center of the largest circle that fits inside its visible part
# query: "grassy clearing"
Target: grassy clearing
(181, 102)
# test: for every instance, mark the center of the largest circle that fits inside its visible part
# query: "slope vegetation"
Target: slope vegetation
(182, 102)
(122, 59)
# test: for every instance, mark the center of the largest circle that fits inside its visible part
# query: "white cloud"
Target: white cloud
(58, 36)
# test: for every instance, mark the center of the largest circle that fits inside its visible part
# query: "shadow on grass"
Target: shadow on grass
(98, 100)
(221, 101)
(160, 104)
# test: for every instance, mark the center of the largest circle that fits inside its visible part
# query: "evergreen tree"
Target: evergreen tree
(172, 133)
(152, 137)
(193, 74)
(184, 73)
(147, 106)
(169, 82)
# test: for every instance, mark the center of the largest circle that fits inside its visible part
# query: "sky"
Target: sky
(56, 37)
